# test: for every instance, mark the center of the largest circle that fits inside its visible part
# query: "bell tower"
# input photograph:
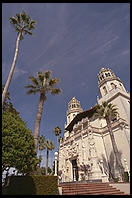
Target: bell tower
(74, 108)
(107, 81)
(112, 90)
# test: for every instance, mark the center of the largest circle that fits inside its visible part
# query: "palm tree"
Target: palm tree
(50, 146)
(109, 113)
(42, 84)
(23, 25)
(42, 145)
(57, 132)
(60, 139)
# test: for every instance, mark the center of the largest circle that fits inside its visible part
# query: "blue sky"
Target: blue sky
(73, 40)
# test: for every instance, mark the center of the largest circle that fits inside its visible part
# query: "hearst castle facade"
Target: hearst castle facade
(85, 152)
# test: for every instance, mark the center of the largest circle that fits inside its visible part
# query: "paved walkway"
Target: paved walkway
(125, 187)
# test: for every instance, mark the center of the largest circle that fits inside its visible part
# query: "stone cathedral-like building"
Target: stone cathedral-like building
(85, 152)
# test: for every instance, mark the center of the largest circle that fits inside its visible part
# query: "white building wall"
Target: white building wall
(123, 107)
(99, 146)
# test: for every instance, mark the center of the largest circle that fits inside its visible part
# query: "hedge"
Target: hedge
(126, 177)
(32, 185)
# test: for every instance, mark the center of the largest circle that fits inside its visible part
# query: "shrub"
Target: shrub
(126, 177)
(116, 180)
(32, 185)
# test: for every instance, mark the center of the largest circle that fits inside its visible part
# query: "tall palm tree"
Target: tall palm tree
(42, 84)
(50, 146)
(23, 25)
(42, 145)
(57, 132)
(109, 113)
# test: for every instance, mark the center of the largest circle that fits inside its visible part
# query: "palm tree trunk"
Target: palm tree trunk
(40, 157)
(38, 120)
(12, 69)
(47, 159)
(115, 149)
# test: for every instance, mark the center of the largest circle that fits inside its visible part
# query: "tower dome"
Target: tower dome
(107, 81)
(105, 74)
(74, 108)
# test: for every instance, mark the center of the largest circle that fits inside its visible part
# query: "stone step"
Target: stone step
(86, 187)
(93, 192)
(89, 188)
(102, 193)
(83, 184)
(89, 191)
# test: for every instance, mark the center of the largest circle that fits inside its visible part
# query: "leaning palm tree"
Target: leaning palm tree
(42, 145)
(109, 113)
(42, 84)
(50, 146)
(23, 25)
(57, 132)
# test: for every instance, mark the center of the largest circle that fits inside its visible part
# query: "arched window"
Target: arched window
(106, 74)
(73, 105)
(105, 90)
(121, 86)
(113, 85)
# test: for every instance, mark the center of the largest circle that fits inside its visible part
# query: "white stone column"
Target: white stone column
(56, 157)
(74, 170)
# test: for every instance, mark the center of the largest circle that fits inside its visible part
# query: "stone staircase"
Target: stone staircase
(89, 189)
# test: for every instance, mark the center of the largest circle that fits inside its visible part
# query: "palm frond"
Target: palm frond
(53, 81)
(42, 143)
(18, 17)
(32, 91)
(22, 22)
(17, 29)
(25, 18)
(107, 111)
(47, 74)
(27, 32)
(34, 80)
(13, 20)
(31, 25)
(30, 86)
(40, 77)
(57, 131)
(50, 145)
(55, 91)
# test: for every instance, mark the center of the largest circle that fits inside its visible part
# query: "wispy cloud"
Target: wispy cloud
(19, 72)
(106, 46)
(125, 52)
